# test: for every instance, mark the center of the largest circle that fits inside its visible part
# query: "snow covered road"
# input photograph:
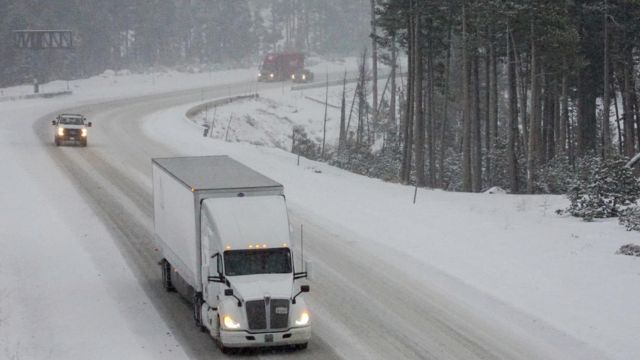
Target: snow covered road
(364, 305)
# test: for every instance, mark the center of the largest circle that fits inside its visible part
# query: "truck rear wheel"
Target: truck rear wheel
(166, 276)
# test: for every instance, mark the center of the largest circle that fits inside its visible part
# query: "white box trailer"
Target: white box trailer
(224, 234)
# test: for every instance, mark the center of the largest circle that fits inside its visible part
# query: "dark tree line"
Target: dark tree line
(503, 92)
(120, 34)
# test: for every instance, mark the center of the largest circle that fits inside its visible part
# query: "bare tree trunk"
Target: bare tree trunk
(324, 125)
(627, 115)
(342, 139)
(405, 169)
(445, 114)
(534, 132)
(466, 137)
(615, 106)
(430, 120)
(487, 108)
(606, 135)
(419, 110)
(374, 63)
(392, 100)
(561, 142)
(513, 118)
(523, 96)
(477, 126)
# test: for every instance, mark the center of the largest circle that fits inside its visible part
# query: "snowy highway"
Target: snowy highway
(364, 306)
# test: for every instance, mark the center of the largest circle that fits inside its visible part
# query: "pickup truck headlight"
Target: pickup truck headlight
(60, 131)
(83, 132)
(303, 319)
(229, 323)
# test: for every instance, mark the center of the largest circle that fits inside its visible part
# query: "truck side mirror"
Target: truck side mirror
(229, 292)
(89, 124)
(54, 123)
(303, 289)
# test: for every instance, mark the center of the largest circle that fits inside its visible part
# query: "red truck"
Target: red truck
(284, 66)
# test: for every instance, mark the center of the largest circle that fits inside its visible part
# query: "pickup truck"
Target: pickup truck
(71, 128)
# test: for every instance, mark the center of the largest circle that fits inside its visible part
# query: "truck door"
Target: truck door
(211, 290)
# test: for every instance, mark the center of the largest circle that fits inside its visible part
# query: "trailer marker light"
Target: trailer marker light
(250, 246)
(284, 245)
(228, 247)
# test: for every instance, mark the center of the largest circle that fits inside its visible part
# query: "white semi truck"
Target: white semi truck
(224, 234)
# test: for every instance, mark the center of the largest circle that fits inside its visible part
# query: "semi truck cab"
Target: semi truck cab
(252, 296)
(223, 230)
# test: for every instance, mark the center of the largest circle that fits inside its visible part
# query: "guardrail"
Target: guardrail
(218, 102)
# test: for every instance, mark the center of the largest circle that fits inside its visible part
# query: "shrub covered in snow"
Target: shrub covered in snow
(602, 189)
(630, 218)
(556, 177)
(630, 249)
(303, 145)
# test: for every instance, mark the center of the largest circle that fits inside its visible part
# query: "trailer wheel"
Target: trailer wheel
(166, 276)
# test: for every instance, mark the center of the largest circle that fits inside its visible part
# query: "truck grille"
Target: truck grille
(256, 315)
(73, 132)
(261, 316)
(279, 313)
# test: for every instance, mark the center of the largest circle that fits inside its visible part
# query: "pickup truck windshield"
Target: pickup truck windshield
(258, 261)
(71, 121)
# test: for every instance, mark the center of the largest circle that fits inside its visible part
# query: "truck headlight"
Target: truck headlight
(293, 76)
(60, 131)
(83, 132)
(304, 77)
(229, 323)
(303, 319)
(271, 75)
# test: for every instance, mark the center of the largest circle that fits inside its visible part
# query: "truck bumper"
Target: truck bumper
(239, 339)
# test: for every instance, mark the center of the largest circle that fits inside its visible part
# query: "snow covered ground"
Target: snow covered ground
(514, 248)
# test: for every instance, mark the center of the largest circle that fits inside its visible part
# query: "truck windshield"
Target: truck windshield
(258, 261)
(71, 120)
